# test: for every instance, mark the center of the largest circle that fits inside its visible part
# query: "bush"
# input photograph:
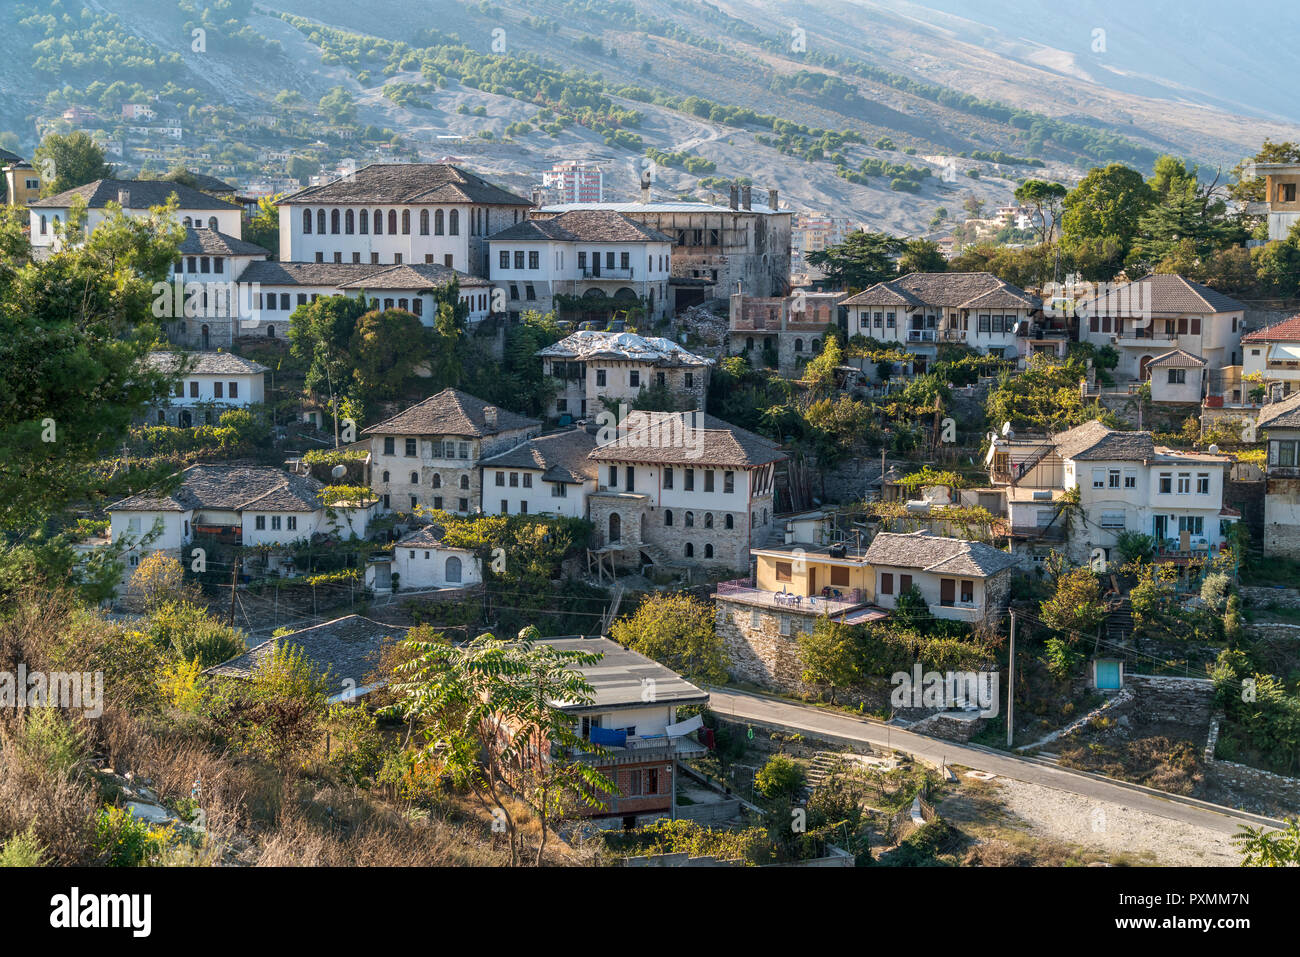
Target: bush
(123, 840)
(779, 778)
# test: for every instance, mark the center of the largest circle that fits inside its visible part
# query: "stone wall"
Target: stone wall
(1258, 596)
(642, 528)
(1186, 701)
(1278, 789)
(1247, 498)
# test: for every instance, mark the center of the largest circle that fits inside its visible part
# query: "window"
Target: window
(784, 572)
(410, 448)
(631, 479)
(217, 389)
(612, 479)
(559, 490)
(1202, 483)
(1098, 478)
(839, 575)
(415, 478)
(1112, 519)
(534, 259)
(634, 378)
(392, 222)
(438, 229)
(600, 378)
(668, 518)
(1284, 453)
(886, 583)
(464, 482)
(1130, 478)
(668, 477)
(708, 480)
(514, 480)
(259, 523)
(519, 259)
(528, 480)
(453, 223)
(320, 221)
(1177, 376)
(708, 519)
(453, 569)
(1193, 524)
(505, 259)
(1166, 482)
(729, 522)
(306, 222)
(194, 390)
(689, 483)
(437, 502)
(1184, 483)
(388, 445)
(728, 482)
(1112, 478)
(690, 380)
(464, 504)
(437, 480)
(967, 592)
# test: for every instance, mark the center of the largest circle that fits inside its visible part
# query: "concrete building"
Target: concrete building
(209, 300)
(1280, 423)
(790, 328)
(1273, 354)
(212, 383)
(395, 213)
(22, 184)
(547, 475)
(1177, 377)
(922, 310)
(596, 369)
(683, 488)
(597, 260)
(714, 246)
(429, 454)
(1281, 197)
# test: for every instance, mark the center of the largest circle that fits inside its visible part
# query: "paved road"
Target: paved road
(787, 715)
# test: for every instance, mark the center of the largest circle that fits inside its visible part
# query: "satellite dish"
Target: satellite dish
(1006, 428)
(339, 471)
(1214, 450)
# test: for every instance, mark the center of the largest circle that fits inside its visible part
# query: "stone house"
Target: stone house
(429, 454)
(1281, 424)
(791, 328)
(548, 475)
(214, 383)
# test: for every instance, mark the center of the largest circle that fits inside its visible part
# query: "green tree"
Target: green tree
(387, 347)
(828, 655)
(1106, 206)
(320, 334)
(1265, 847)
(676, 629)
(820, 372)
(921, 255)
(862, 260)
(1046, 199)
(70, 160)
(1076, 607)
(263, 226)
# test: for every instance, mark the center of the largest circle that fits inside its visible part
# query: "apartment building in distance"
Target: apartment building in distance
(574, 181)
(1281, 197)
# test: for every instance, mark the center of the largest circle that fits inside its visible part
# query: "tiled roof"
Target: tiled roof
(144, 193)
(348, 648)
(430, 536)
(934, 553)
(205, 363)
(407, 183)
(212, 242)
(1177, 359)
(1172, 294)
(949, 290)
(233, 488)
(1094, 441)
(1288, 330)
(688, 438)
(413, 276)
(560, 456)
(582, 225)
(307, 274)
(1283, 415)
(451, 412)
(590, 344)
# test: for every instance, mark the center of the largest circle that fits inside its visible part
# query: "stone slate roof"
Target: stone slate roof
(1288, 330)
(407, 183)
(413, 276)
(308, 274)
(588, 344)
(619, 677)
(934, 553)
(451, 412)
(1281, 415)
(205, 363)
(560, 456)
(695, 440)
(1172, 294)
(231, 488)
(1177, 359)
(1094, 441)
(951, 290)
(350, 648)
(144, 194)
(430, 536)
(582, 225)
(212, 242)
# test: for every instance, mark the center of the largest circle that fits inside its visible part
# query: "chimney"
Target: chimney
(490, 416)
(746, 196)
(124, 198)
(771, 199)
(645, 186)
(735, 196)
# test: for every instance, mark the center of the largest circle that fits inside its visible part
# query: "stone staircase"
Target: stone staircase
(823, 765)
(1118, 627)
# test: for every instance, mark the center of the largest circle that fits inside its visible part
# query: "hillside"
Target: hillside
(863, 109)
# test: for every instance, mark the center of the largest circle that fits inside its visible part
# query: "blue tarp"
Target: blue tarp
(609, 738)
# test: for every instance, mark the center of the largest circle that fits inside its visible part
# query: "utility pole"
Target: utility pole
(1011, 682)
(234, 577)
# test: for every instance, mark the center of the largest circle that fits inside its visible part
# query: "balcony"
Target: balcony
(612, 274)
(645, 748)
(921, 335)
(838, 601)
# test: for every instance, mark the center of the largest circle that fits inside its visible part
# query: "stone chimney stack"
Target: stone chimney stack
(772, 199)
(746, 196)
(735, 196)
(124, 198)
(645, 186)
(490, 416)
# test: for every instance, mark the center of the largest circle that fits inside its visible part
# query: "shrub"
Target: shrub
(123, 840)
(779, 778)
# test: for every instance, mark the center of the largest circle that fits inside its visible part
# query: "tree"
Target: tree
(68, 161)
(779, 778)
(387, 347)
(829, 656)
(1046, 200)
(1263, 847)
(921, 255)
(1076, 606)
(264, 225)
(450, 318)
(820, 372)
(493, 723)
(338, 106)
(862, 260)
(1188, 218)
(320, 334)
(1106, 206)
(158, 578)
(911, 610)
(677, 630)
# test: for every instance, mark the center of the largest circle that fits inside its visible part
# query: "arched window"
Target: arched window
(406, 222)
(690, 519)
(270, 332)
(708, 519)
(334, 221)
(453, 569)
(392, 222)
(816, 345)
(689, 550)
(45, 225)
(306, 221)
(437, 480)
(349, 222)
(363, 220)
(708, 551)
(385, 478)
(453, 223)
(379, 222)
(668, 518)
(437, 222)
(187, 221)
(415, 478)
(764, 516)
(212, 223)
(798, 345)
(320, 221)
(464, 481)
(728, 522)
(615, 527)
(424, 222)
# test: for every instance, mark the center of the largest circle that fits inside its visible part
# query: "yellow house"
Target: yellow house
(22, 183)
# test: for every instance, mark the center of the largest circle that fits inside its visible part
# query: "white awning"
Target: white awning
(1284, 352)
(684, 727)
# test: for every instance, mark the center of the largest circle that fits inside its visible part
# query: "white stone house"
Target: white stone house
(1280, 423)
(429, 455)
(599, 369)
(1273, 353)
(959, 580)
(136, 197)
(597, 254)
(423, 561)
(547, 475)
(1177, 377)
(211, 383)
(207, 296)
(395, 213)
